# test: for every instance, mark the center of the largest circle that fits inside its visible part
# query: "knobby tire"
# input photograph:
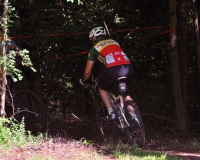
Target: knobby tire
(29, 105)
(107, 129)
(135, 132)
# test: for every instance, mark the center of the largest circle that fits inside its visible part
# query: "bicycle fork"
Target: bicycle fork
(123, 123)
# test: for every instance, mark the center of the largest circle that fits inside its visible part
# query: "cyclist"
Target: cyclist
(116, 62)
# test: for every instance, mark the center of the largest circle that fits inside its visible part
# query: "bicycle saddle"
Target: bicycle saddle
(121, 79)
(122, 88)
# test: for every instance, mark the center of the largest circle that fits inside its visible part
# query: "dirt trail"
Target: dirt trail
(86, 129)
(71, 132)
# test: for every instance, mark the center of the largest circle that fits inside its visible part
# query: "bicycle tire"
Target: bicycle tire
(107, 129)
(29, 105)
(135, 132)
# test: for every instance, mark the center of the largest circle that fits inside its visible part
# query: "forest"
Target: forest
(161, 38)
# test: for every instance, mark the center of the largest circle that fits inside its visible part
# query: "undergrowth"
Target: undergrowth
(126, 152)
(13, 134)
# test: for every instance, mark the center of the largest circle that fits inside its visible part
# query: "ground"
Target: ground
(74, 135)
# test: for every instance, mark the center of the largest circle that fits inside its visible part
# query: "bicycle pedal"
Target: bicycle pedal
(106, 118)
(110, 117)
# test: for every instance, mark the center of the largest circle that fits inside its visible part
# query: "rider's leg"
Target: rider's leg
(129, 107)
(127, 98)
(105, 96)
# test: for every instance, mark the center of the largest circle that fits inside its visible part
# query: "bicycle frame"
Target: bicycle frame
(128, 118)
(121, 117)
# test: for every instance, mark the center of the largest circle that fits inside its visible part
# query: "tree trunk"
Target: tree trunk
(3, 69)
(175, 70)
(196, 24)
(36, 81)
(182, 51)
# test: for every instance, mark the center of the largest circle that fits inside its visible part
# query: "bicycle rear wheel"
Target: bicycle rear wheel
(135, 132)
(107, 129)
(29, 105)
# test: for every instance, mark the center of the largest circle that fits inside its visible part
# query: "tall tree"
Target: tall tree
(196, 24)
(182, 27)
(3, 69)
(179, 103)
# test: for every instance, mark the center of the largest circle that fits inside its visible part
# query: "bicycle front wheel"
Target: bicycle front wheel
(29, 105)
(135, 132)
(107, 129)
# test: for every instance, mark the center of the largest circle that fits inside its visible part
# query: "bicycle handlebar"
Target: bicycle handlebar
(88, 82)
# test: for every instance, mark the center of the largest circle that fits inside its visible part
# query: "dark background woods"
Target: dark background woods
(54, 31)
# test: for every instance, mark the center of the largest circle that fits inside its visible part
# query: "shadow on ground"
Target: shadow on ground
(83, 128)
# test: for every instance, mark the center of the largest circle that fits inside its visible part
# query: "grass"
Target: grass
(124, 152)
(13, 134)
(195, 145)
(141, 155)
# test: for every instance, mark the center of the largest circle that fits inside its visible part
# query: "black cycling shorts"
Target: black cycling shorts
(108, 76)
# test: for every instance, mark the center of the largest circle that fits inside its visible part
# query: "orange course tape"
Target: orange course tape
(84, 52)
(81, 33)
(58, 58)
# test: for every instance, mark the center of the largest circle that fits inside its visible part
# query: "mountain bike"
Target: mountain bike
(25, 103)
(128, 118)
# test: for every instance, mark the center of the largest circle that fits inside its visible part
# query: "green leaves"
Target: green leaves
(16, 134)
(14, 72)
(70, 1)
(5, 132)
(79, 2)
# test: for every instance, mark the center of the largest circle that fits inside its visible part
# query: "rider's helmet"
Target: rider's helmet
(98, 31)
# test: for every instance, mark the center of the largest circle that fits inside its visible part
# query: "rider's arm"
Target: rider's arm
(88, 69)
(90, 63)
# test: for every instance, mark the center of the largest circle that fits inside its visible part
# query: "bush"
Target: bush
(5, 132)
(14, 134)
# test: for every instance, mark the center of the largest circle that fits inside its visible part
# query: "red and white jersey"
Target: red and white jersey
(108, 52)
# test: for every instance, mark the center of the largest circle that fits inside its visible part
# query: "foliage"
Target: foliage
(5, 132)
(14, 134)
(56, 31)
(79, 1)
(10, 63)
(195, 145)
(11, 15)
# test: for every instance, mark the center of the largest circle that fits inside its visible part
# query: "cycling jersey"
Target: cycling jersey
(109, 52)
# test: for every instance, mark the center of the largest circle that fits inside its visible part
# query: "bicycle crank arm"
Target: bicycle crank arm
(119, 126)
